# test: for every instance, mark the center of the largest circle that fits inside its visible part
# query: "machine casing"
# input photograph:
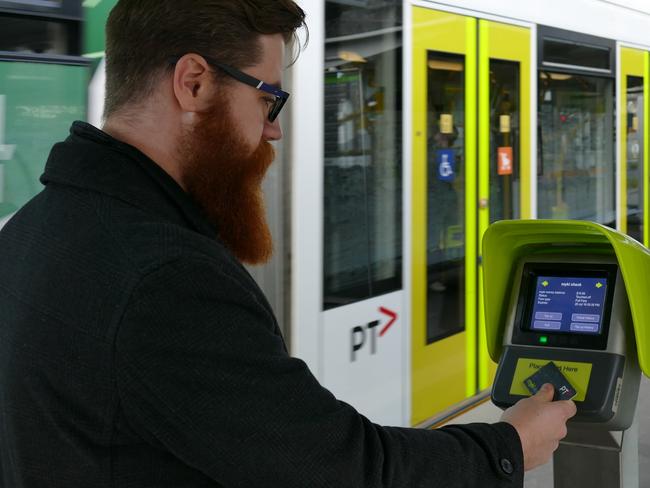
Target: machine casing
(604, 367)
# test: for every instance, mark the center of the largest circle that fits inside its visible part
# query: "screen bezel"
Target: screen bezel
(525, 335)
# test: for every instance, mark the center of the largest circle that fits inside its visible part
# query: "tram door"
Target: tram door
(505, 134)
(460, 85)
(634, 144)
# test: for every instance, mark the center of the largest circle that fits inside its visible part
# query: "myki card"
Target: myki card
(550, 373)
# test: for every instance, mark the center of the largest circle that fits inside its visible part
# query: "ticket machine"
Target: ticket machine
(574, 293)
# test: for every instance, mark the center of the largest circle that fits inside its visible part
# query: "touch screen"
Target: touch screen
(569, 304)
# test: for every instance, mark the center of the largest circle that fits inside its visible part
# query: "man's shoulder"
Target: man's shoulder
(150, 242)
(125, 237)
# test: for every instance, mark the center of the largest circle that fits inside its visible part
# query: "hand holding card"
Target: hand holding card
(550, 373)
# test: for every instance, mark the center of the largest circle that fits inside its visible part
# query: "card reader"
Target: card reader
(572, 310)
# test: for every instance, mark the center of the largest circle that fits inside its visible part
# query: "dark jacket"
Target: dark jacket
(135, 351)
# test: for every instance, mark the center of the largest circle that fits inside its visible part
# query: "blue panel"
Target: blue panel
(446, 163)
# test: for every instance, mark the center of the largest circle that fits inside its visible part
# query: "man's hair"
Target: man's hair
(143, 36)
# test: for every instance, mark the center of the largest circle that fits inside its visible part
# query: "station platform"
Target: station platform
(542, 477)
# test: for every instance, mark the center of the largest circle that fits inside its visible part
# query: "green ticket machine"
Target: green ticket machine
(575, 294)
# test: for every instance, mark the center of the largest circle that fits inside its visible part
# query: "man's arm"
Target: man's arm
(201, 370)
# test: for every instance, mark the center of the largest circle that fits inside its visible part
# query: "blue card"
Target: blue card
(551, 374)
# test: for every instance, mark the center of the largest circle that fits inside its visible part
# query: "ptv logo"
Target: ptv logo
(361, 334)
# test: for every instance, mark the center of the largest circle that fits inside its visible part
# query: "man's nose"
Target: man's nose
(272, 131)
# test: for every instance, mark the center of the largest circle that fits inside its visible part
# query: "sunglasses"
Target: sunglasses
(280, 97)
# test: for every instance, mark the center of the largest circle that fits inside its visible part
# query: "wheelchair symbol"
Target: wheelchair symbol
(445, 165)
(445, 169)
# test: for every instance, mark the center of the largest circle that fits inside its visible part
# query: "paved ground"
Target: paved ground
(542, 477)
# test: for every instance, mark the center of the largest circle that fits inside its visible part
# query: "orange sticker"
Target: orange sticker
(504, 157)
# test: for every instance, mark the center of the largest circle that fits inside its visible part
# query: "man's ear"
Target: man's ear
(193, 83)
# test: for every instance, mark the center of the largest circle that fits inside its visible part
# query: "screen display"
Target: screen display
(569, 304)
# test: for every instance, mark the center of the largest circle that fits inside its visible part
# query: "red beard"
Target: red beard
(224, 178)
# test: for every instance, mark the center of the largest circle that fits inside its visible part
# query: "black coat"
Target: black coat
(135, 351)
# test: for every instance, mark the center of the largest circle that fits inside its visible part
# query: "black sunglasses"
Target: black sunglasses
(281, 97)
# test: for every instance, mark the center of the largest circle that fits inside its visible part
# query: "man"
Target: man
(136, 350)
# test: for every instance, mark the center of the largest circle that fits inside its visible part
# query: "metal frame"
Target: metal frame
(646, 150)
(407, 205)
(545, 32)
(646, 139)
(306, 150)
(534, 80)
(619, 161)
(45, 58)
(628, 67)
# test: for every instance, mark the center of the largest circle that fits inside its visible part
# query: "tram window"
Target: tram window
(30, 35)
(363, 152)
(445, 195)
(505, 179)
(576, 54)
(351, 18)
(576, 155)
(634, 156)
(565, 50)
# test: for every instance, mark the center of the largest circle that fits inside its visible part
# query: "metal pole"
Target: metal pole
(630, 456)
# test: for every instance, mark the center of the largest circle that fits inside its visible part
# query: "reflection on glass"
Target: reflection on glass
(504, 141)
(33, 35)
(445, 195)
(576, 158)
(363, 153)
(562, 51)
(634, 155)
(34, 119)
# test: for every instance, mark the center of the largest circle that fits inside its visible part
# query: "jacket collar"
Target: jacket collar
(91, 159)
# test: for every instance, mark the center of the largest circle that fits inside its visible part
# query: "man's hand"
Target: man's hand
(541, 424)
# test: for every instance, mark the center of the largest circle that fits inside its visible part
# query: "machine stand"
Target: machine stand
(592, 458)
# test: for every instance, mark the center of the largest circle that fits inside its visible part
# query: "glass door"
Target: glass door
(504, 142)
(444, 211)
(634, 200)
(576, 150)
(446, 180)
(471, 166)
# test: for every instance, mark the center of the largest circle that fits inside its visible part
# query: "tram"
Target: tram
(431, 121)
(412, 126)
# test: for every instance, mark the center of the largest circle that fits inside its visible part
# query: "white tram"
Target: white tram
(412, 127)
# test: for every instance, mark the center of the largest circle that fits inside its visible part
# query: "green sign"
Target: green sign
(95, 15)
(38, 102)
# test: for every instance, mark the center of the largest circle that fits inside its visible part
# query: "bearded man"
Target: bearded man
(136, 351)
